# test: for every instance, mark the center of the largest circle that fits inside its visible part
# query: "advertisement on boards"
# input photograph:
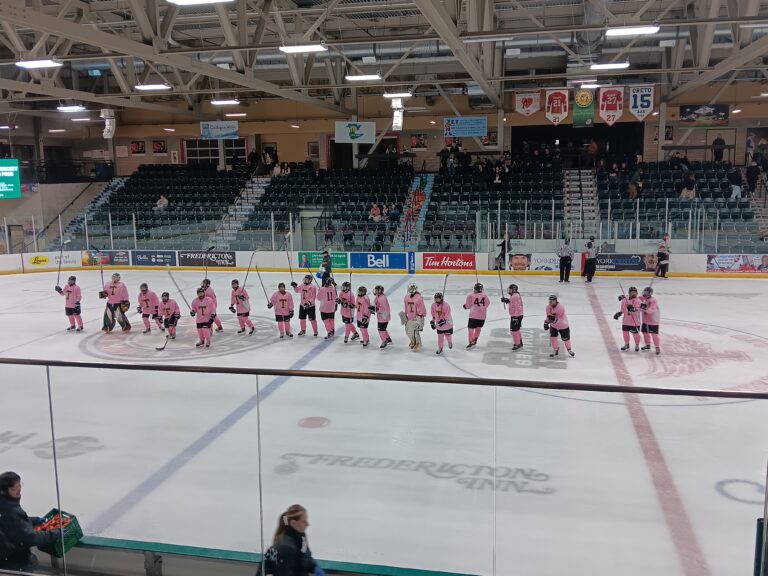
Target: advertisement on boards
(737, 263)
(378, 260)
(448, 261)
(154, 258)
(106, 258)
(50, 260)
(213, 259)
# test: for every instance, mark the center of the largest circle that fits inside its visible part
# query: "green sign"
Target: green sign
(313, 260)
(583, 109)
(10, 179)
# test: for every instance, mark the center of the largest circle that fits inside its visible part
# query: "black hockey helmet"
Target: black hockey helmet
(478, 287)
(235, 282)
(143, 287)
(165, 296)
(281, 286)
(378, 289)
(205, 283)
(71, 280)
(201, 290)
(512, 289)
(307, 279)
(647, 291)
(553, 297)
(438, 296)
(346, 286)
(632, 289)
(362, 291)
(328, 281)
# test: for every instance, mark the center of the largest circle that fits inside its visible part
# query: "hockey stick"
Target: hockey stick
(313, 276)
(61, 256)
(177, 288)
(205, 261)
(288, 255)
(250, 261)
(262, 283)
(501, 287)
(445, 282)
(101, 265)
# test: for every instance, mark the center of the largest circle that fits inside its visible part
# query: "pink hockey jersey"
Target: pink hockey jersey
(363, 311)
(383, 313)
(414, 306)
(349, 299)
(116, 292)
(515, 305)
(561, 320)
(209, 293)
(203, 309)
(308, 294)
(282, 303)
(169, 309)
(72, 295)
(442, 312)
(477, 303)
(652, 314)
(327, 297)
(149, 302)
(630, 318)
(240, 300)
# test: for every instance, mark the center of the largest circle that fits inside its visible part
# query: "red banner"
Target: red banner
(448, 261)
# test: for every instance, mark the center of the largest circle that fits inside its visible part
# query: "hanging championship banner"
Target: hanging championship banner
(611, 104)
(583, 109)
(527, 103)
(641, 101)
(557, 106)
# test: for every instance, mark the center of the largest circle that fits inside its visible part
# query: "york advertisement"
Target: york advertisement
(201, 257)
(627, 262)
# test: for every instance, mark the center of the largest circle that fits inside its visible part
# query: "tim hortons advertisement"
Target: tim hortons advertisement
(448, 261)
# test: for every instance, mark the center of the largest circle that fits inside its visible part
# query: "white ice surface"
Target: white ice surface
(400, 473)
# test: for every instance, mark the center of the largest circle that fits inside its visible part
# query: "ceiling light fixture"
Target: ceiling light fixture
(233, 102)
(302, 49)
(236, 115)
(170, 129)
(488, 38)
(655, 114)
(362, 77)
(8, 127)
(196, 2)
(148, 87)
(397, 95)
(81, 119)
(56, 130)
(295, 126)
(37, 64)
(610, 66)
(432, 122)
(736, 111)
(70, 108)
(632, 31)
(591, 86)
(586, 81)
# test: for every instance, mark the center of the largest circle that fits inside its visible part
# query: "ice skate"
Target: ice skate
(658, 351)
(315, 334)
(207, 344)
(302, 332)
(554, 353)
(147, 331)
(241, 331)
(199, 344)
(355, 336)
(282, 336)
(450, 345)
(219, 329)
(637, 348)
(384, 344)
(289, 334)
(572, 353)
(439, 351)
(646, 347)
(80, 329)
(252, 330)
(625, 347)
(516, 347)
(71, 329)
(365, 344)
(127, 329)
(346, 339)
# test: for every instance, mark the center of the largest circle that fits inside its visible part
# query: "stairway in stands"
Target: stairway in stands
(76, 226)
(239, 212)
(581, 203)
(409, 230)
(758, 201)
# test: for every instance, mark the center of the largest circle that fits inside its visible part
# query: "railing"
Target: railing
(395, 469)
(80, 170)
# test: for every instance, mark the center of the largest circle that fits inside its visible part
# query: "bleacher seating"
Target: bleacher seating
(198, 196)
(450, 221)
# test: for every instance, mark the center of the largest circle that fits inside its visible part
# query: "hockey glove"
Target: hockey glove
(102, 294)
(307, 305)
(546, 325)
(232, 309)
(643, 306)
(551, 318)
(372, 308)
(442, 323)
(270, 305)
(432, 324)
(125, 306)
(338, 300)
(465, 307)
(58, 289)
(290, 315)
(241, 297)
(631, 309)
(293, 284)
(505, 300)
(192, 313)
(138, 309)
(617, 316)
(621, 297)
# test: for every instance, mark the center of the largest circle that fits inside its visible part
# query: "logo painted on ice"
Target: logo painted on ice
(66, 446)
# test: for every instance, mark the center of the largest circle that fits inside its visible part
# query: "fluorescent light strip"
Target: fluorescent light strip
(632, 31)
(147, 87)
(56, 130)
(7, 127)
(37, 64)
(236, 115)
(302, 49)
(80, 119)
(610, 66)
(196, 2)
(170, 129)
(490, 38)
(70, 108)
(397, 95)
(295, 126)
(736, 111)
(586, 81)
(592, 86)
(362, 77)
(225, 102)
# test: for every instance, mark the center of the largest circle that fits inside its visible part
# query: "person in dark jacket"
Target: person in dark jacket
(327, 265)
(290, 542)
(18, 529)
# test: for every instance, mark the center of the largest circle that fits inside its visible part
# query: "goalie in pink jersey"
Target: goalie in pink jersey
(442, 322)
(413, 316)
(363, 306)
(327, 297)
(212, 295)
(240, 304)
(477, 303)
(347, 302)
(514, 305)
(651, 316)
(149, 305)
(383, 314)
(170, 313)
(202, 311)
(116, 295)
(306, 304)
(72, 297)
(630, 309)
(557, 324)
(282, 302)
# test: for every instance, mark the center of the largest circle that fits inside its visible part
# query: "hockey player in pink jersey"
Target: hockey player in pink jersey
(240, 304)
(347, 302)
(630, 309)
(116, 295)
(514, 305)
(72, 296)
(383, 314)
(149, 305)
(212, 295)
(170, 313)
(327, 296)
(442, 322)
(363, 306)
(651, 317)
(477, 303)
(557, 324)
(413, 316)
(307, 304)
(282, 302)
(202, 311)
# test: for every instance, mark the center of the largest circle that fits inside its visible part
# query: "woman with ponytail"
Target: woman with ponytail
(290, 552)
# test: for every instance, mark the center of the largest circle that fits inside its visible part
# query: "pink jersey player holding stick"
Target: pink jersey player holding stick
(514, 304)
(170, 313)
(240, 304)
(477, 303)
(202, 310)
(72, 296)
(630, 309)
(306, 304)
(557, 324)
(442, 322)
(383, 315)
(327, 296)
(116, 295)
(282, 302)
(149, 306)
(363, 306)
(212, 295)
(347, 302)
(414, 312)
(651, 317)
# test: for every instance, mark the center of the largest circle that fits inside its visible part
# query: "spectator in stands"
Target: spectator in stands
(375, 213)
(613, 173)
(734, 177)
(635, 183)
(347, 234)
(253, 160)
(753, 175)
(451, 164)
(308, 165)
(290, 554)
(689, 189)
(162, 204)
(17, 530)
(319, 175)
(444, 154)
(285, 169)
(718, 147)
(330, 233)
(394, 213)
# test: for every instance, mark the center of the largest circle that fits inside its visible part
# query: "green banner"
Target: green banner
(583, 109)
(315, 259)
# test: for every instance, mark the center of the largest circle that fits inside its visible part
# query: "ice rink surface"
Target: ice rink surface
(442, 477)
